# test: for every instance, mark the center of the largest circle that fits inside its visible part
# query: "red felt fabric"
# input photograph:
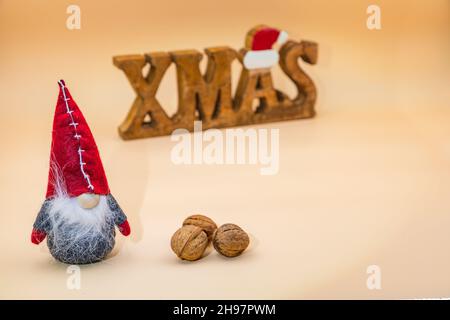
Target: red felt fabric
(264, 39)
(124, 228)
(37, 236)
(64, 151)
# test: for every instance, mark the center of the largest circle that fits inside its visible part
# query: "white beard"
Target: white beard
(66, 210)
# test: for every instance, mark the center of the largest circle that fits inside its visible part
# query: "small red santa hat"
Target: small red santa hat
(259, 42)
(74, 157)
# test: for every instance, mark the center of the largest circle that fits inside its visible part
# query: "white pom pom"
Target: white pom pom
(282, 37)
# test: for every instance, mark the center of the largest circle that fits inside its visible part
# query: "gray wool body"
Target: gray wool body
(91, 247)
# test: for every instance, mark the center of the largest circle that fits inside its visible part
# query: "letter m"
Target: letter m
(203, 97)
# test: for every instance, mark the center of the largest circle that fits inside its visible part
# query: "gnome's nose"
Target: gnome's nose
(88, 200)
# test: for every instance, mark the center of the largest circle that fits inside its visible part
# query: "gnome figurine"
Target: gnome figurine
(79, 214)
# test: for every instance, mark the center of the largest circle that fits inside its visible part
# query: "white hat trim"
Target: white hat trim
(259, 59)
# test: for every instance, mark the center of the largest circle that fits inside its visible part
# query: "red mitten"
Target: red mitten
(37, 236)
(124, 228)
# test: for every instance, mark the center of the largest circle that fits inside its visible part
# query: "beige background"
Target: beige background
(366, 182)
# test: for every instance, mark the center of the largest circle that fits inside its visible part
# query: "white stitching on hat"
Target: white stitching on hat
(76, 136)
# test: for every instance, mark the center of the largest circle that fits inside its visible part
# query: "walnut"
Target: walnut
(189, 242)
(203, 222)
(230, 240)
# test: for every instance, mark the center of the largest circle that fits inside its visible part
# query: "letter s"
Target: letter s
(289, 54)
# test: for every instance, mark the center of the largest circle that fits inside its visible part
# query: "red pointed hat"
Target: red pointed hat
(74, 155)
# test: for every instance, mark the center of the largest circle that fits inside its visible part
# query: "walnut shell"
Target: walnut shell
(189, 242)
(230, 240)
(203, 222)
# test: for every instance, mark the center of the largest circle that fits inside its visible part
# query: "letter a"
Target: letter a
(374, 280)
(374, 20)
(74, 20)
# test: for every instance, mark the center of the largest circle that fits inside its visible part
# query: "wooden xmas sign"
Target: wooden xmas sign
(209, 97)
